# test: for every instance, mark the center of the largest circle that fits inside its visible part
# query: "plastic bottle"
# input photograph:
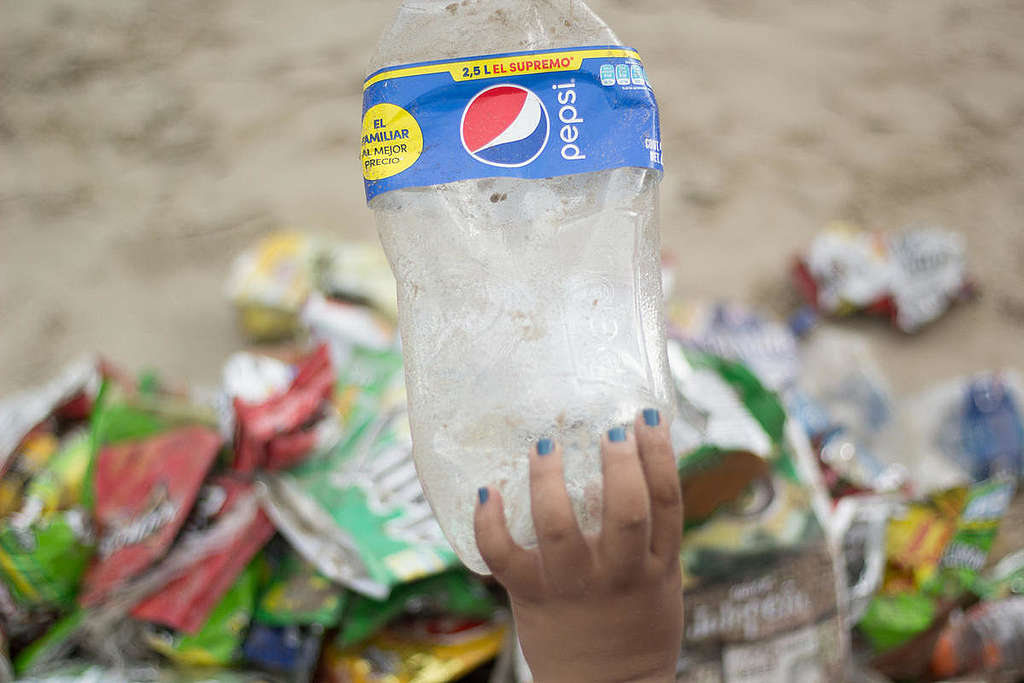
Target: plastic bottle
(528, 308)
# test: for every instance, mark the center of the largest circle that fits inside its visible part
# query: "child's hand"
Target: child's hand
(606, 608)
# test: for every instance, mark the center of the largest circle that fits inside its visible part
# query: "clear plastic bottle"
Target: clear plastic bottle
(528, 308)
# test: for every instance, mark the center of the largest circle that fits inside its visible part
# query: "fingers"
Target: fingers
(512, 566)
(563, 551)
(659, 466)
(625, 530)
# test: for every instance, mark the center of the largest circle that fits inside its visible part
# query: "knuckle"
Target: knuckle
(632, 519)
(494, 553)
(496, 560)
(557, 530)
(667, 494)
(632, 525)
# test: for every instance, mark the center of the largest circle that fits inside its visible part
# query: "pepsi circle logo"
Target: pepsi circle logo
(505, 125)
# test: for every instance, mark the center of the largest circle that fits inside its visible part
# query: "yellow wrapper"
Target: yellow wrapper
(417, 651)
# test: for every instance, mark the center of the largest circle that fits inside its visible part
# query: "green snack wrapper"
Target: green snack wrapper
(356, 511)
(453, 593)
(966, 555)
(220, 638)
(297, 594)
(42, 564)
(892, 620)
(369, 379)
(45, 546)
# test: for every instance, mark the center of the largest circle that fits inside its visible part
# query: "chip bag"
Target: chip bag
(453, 593)
(935, 550)
(357, 511)
(219, 640)
(761, 579)
(279, 432)
(767, 347)
(144, 491)
(911, 276)
(417, 650)
(185, 603)
(297, 594)
(269, 283)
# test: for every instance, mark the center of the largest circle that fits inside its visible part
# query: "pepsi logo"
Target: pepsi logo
(505, 125)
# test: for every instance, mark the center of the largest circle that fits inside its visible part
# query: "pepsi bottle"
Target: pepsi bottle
(511, 154)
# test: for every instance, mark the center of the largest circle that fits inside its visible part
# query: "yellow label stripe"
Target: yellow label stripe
(515, 65)
(14, 572)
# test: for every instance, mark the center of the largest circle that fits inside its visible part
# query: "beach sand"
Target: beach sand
(143, 144)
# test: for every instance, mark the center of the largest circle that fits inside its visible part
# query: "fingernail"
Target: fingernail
(545, 446)
(616, 434)
(651, 417)
(482, 492)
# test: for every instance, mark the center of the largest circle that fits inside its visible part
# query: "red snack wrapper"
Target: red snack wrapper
(278, 432)
(185, 603)
(911, 276)
(144, 492)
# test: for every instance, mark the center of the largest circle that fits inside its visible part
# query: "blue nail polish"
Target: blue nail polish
(483, 493)
(651, 417)
(545, 446)
(617, 435)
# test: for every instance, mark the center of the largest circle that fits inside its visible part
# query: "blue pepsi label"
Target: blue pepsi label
(533, 114)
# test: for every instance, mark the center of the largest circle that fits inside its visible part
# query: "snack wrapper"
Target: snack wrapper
(935, 550)
(47, 544)
(418, 650)
(144, 491)
(365, 531)
(32, 456)
(358, 272)
(357, 511)
(280, 431)
(297, 594)
(42, 563)
(219, 640)
(767, 347)
(760, 574)
(269, 283)
(22, 412)
(454, 593)
(343, 325)
(911, 276)
(185, 603)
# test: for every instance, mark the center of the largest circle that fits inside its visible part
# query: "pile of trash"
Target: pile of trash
(916, 490)
(273, 528)
(270, 529)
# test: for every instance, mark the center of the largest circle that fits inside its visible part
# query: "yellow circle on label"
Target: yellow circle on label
(392, 141)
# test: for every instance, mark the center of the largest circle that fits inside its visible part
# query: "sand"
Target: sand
(143, 144)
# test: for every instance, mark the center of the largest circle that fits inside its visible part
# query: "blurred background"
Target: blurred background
(144, 144)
